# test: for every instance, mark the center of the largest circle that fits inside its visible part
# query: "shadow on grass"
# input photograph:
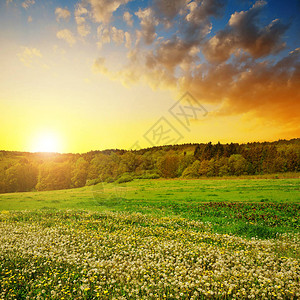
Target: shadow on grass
(253, 230)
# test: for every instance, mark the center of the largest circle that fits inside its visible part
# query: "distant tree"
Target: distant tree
(204, 168)
(293, 160)
(208, 152)
(2, 181)
(224, 167)
(54, 176)
(280, 164)
(230, 149)
(20, 178)
(269, 156)
(20, 171)
(218, 150)
(148, 162)
(80, 173)
(168, 165)
(192, 171)
(197, 152)
(104, 166)
(237, 165)
(23, 161)
(255, 156)
(185, 161)
(12, 179)
(129, 162)
(213, 167)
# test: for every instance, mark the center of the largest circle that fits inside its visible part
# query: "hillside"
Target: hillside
(23, 171)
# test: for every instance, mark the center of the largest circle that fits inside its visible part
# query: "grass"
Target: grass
(245, 207)
(153, 239)
(92, 255)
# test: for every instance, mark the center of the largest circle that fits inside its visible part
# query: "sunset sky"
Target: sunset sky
(97, 74)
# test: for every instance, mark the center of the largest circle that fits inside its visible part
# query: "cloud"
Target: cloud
(170, 58)
(67, 36)
(127, 17)
(172, 53)
(128, 40)
(27, 3)
(148, 23)
(137, 71)
(264, 89)
(108, 34)
(102, 10)
(117, 35)
(62, 13)
(103, 34)
(28, 55)
(197, 19)
(244, 33)
(231, 69)
(200, 10)
(99, 66)
(83, 29)
(169, 9)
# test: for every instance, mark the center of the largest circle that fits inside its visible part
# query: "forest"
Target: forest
(24, 171)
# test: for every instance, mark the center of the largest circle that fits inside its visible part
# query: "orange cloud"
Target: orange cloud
(238, 76)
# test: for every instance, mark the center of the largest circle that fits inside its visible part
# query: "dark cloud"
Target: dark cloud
(171, 53)
(148, 24)
(238, 75)
(166, 9)
(269, 90)
(243, 32)
(201, 10)
(197, 24)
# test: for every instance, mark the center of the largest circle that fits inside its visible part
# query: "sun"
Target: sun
(46, 142)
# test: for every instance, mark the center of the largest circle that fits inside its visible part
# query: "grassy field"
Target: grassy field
(153, 239)
(246, 207)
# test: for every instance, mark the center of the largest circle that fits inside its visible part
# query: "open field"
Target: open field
(80, 255)
(153, 239)
(259, 207)
(160, 191)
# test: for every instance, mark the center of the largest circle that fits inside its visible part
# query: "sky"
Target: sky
(90, 75)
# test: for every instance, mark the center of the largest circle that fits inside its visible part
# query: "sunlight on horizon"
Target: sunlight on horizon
(46, 142)
(101, 76)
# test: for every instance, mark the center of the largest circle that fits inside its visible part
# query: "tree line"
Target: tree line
(22, 171)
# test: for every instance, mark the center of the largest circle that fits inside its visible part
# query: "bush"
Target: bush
(192, 171)
(109, 180)
(90, 182)
(124, 178)
(149, 176)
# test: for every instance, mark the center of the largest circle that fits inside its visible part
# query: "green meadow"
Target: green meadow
(153, 239)
(246, 207)
(158, 192)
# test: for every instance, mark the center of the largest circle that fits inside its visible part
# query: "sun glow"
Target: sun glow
(47, 142)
